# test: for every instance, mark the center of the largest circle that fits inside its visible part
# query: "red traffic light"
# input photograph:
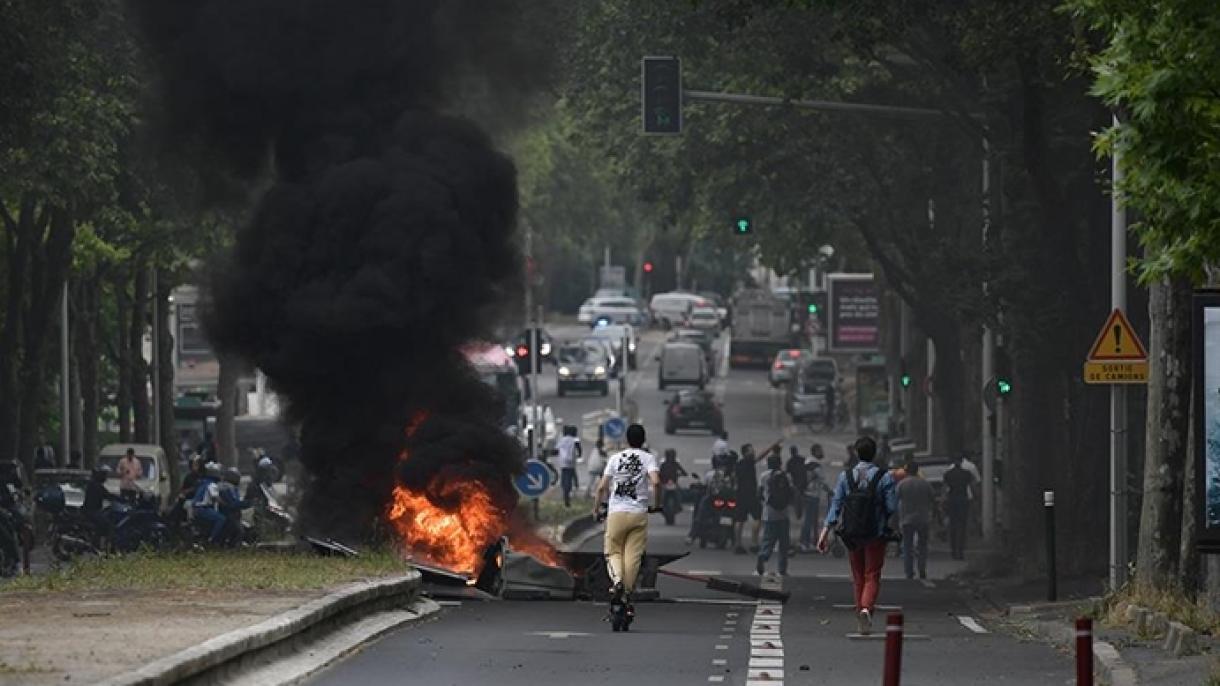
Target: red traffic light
(648, 267)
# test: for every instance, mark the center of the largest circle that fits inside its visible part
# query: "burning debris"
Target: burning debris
(383, 244)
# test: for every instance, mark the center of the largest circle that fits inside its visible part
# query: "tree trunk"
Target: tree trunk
(46, 285)
(226, 392)
(18, 252)
(140, 407)
(1188, 556)
(165, 374)
(87, 364)
(1167, 429)
(123, 356)
(74, 389)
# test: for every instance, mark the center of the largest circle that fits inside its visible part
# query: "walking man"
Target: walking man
(815, 487)
(914, 516)
(777, 496)
(630, 487)
(864, 500)
(958, 485)
(568, 447)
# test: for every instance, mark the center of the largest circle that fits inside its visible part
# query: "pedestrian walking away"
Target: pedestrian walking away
(778, 497)
(630, 489)
(795, 467)
(959, 485)
(815, 488)
(864, 499)
(595, 464)
(568, 447)
(914, 517)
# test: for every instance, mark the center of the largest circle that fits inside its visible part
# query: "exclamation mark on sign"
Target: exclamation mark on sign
(1118, 339)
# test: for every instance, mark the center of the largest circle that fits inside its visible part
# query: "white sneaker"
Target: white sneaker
(865, 621)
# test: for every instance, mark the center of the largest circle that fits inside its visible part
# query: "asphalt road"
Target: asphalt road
(698, 636)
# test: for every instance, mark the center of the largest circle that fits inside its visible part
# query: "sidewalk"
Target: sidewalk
(1128, 649)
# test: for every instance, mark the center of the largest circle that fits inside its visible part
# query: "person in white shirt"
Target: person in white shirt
(720, 447)
(595, 463)
(568, 447)
(631, 488)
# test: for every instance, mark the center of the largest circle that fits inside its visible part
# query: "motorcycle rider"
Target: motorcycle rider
(630, 489)
(20, 536)
(96, 497)
(205, 506)
(231, 504)
(671, 469)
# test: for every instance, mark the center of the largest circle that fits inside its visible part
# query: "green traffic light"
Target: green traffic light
(813, 308)
(743, 225)
(1003, 386)
(906, 380)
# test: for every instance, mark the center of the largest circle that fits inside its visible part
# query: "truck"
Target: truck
(761, 328)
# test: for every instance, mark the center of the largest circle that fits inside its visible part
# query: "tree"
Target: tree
(1158, 64)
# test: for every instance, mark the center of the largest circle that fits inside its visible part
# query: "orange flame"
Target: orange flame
(457, 538)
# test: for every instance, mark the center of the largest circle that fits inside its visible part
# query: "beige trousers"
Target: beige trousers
(626, 536)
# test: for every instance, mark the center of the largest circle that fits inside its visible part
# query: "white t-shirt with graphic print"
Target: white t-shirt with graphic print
(630, 487)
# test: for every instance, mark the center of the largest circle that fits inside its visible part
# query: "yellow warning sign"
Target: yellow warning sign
(1117, 356)
(1117, 341)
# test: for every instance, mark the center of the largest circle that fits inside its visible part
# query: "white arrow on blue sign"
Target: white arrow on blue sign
(536, 479)
(615, 428)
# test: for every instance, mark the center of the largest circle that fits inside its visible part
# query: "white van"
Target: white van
(681, 364)
(672, 309)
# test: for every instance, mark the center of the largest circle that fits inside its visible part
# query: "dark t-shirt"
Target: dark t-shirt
(747, 480)
(670, 471)
(957, 485)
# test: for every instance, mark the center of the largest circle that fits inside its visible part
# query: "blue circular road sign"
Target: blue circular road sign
(536, 479)
(615, 428)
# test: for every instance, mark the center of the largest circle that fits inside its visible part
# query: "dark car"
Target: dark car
(519, 350)
(700, 338)
(583, 365)
(693, 408)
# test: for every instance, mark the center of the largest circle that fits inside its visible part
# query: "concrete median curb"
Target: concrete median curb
(222, 658)
(575, 528)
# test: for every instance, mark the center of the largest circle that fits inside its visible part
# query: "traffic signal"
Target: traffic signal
(661, 96)
(904, 377)
(743, 226)
(1003, 373)
(812, 308)
(648, 267)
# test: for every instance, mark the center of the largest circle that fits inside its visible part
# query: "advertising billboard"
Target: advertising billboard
(854, 316)
(1206, 318)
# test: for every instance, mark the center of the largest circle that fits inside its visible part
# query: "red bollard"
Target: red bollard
(1084, 652)
(893, 649)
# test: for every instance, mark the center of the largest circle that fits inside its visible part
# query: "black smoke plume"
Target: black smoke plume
(386, 238)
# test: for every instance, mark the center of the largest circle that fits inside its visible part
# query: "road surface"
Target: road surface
(698, 636)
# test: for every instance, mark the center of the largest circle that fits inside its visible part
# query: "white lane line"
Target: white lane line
(558, 634)
(971, 624)
(704, 572)
(725, 636)
(449, 603)
(766, 652)
(766, 643)
(766, 663)
(717, 601)
(884, 608)
(716, 678)
(721, 646)
(719, 662)
(730, 614)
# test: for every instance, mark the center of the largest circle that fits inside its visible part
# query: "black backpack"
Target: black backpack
(858, 517)
(779, 490)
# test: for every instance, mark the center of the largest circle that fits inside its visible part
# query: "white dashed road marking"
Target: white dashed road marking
(971, 624)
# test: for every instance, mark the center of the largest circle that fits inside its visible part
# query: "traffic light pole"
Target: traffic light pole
(1118, 392)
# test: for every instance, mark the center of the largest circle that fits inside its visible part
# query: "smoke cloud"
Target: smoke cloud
(385, 241)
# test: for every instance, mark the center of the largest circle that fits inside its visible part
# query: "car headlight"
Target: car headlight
(631, 347)
(599, 371)
(564, 371)
(508, 350)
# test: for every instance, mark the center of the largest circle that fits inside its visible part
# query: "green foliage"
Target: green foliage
(1160, 67)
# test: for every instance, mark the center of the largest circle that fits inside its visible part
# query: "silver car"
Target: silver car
(784, 366)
